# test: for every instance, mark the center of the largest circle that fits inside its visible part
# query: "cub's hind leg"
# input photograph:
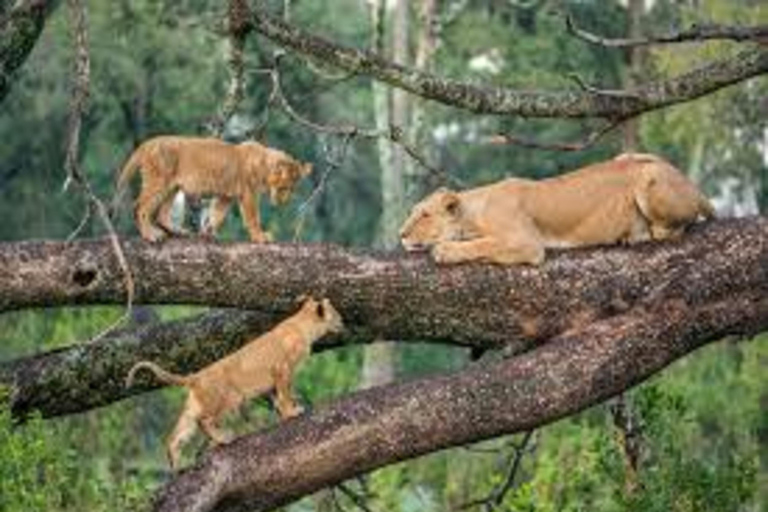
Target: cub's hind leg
(164, 219)
(153, 194)
(217, 212)
(210, 426)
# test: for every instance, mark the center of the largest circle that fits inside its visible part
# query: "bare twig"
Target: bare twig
(629, 439)
(359, 501)
(331, 165)
(587, 142)
(496, 496)
(696, 32)
(614, 93)
(394, 134)
(75, 175)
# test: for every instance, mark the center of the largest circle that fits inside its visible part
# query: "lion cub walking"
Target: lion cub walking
(264, 364)
(632, 198)
(207, 166)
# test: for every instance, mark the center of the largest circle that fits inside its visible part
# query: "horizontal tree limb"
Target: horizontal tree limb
(397, 296)
(380, 426)
(505, 101)
(380, 296)
(696, 32)
(92, 374)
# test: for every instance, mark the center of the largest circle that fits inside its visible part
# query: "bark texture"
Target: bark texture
(495, 100)
(515, 305)
(381, 426)
(379, 296)
(92, 374)
(20, 27)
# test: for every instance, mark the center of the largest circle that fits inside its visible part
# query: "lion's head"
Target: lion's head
(274, 169)
(283, 176)
(436, 218)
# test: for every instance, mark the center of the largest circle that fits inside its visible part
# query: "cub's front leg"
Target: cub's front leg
(249, 208)
(490, 250)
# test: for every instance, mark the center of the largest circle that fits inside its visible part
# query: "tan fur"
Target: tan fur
(632, 198)
(208, 166)
(264, 364)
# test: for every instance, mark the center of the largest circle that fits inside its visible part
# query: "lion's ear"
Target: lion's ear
(320, 309)
(451, 202)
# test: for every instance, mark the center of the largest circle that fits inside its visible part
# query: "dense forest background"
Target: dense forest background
(159, 67)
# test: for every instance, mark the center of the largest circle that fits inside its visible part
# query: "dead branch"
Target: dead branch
(696, 32)
(78, 106)
(494, 100)
(581, 145)
(380, 426)
(349, 131)
(494, 499)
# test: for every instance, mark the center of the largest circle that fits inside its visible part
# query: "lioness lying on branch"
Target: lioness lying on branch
(207, 166)
(264, 364)
(632, 198)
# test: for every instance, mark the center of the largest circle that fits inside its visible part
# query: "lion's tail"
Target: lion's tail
(126, 173)
(164, 375)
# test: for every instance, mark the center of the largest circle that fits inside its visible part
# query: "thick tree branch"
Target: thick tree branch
(463, 303)
(380, 426)
(696, 32)
(20, 28)
(493, 100)
(92, 374)
(379, 296)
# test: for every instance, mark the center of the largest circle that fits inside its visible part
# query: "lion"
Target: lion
(265, 363)
(208, 166)
(631, 198)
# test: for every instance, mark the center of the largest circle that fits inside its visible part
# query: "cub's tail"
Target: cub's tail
(164, 375)
(126, 173)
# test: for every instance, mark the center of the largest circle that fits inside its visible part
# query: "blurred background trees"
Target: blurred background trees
(160, 67)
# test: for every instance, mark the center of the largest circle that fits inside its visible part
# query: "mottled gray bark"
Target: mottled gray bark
(397, 297)
(20, 27)
(406, 298)
(92, 374)
(380, 426)
(496, 100)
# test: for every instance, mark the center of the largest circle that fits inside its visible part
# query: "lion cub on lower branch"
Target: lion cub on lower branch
(632, 198)
(206, 166)
(264, 364)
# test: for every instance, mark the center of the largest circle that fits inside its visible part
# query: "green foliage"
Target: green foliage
(159, 67)
(42, 469)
